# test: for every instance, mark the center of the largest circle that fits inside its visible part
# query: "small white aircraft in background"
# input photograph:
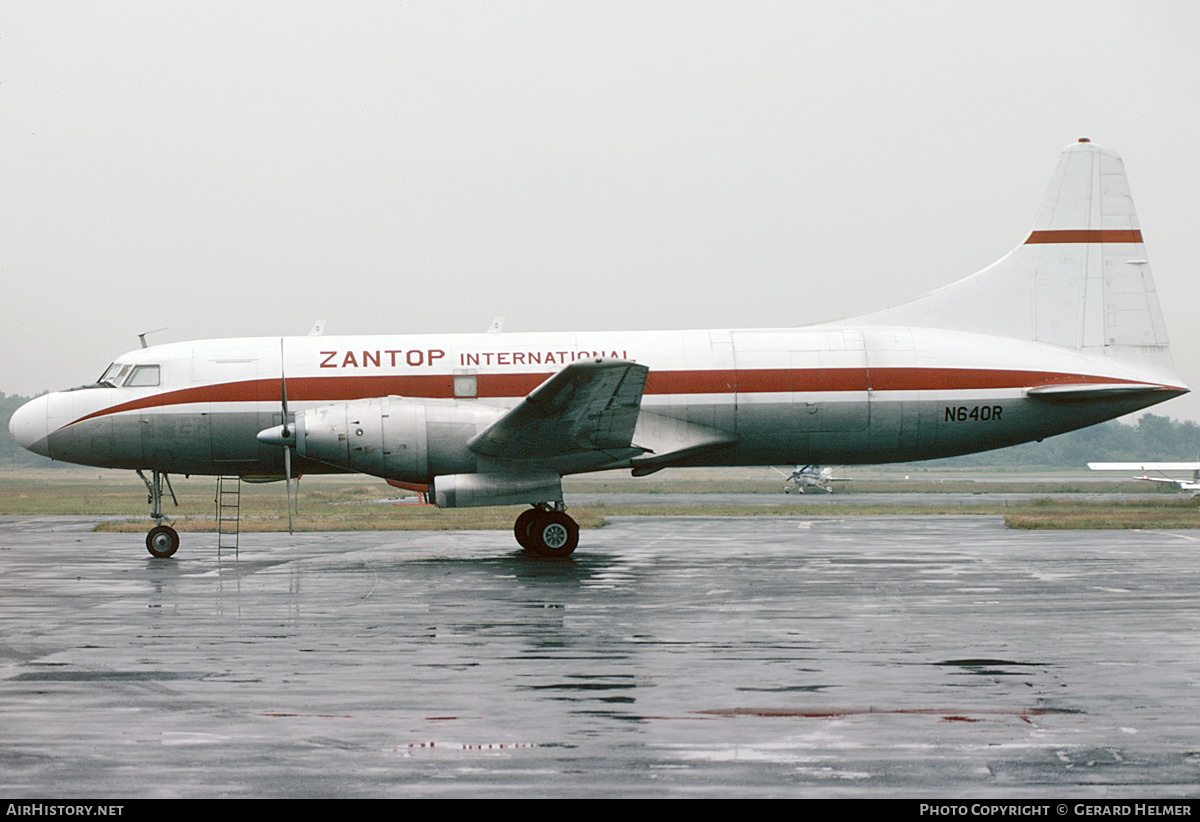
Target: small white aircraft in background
(810, 476)
(1063, 332)
(1192, 484)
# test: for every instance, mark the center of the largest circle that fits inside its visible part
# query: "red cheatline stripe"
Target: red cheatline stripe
(1089, 235)
(658, 383)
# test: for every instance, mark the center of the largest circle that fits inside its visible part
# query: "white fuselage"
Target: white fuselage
(826, 394)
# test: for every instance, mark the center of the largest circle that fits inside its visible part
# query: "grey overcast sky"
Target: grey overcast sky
(243, 168)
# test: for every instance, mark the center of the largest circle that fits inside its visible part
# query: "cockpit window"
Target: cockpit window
(114, 374)
(143, 376)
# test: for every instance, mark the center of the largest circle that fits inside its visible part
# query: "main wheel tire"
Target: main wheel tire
(162, 541)
(522, 525)
(553, 534)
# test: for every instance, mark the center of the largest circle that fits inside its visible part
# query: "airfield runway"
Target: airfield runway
(797, 656)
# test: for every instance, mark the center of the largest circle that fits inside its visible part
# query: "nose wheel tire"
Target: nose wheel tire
(162, 541)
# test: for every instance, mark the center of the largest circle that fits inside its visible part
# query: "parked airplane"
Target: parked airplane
(1063, 332)
(810, 476)
(1192, 484)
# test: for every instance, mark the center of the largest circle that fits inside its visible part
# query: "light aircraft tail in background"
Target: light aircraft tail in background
(1063, 332)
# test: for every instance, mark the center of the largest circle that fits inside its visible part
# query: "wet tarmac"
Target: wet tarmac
(798, 656)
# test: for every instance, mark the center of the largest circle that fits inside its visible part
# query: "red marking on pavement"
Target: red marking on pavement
(835, 713)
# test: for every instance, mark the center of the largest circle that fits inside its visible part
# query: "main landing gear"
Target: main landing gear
(163, 540)
(547, 532)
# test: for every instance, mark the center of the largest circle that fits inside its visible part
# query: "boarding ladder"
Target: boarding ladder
(229, 513)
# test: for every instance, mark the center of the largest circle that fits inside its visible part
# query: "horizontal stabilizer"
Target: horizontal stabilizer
(1079, 391)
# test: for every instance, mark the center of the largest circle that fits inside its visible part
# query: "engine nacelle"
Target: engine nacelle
(470, 490)
(409, 439)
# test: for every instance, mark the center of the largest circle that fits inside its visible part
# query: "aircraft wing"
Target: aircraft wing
(1144, 466)
(590, 405)
(1187, 485)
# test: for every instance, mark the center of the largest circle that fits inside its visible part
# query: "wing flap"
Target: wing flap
(590, 405)
(667, 441)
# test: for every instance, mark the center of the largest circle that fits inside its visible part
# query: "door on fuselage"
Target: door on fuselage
(238, 409)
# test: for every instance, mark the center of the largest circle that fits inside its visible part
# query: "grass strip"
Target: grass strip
(359, 504)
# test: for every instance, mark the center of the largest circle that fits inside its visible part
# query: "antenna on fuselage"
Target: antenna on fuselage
(142, 337)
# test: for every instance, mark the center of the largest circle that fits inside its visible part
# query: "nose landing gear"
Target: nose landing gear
(163, 540)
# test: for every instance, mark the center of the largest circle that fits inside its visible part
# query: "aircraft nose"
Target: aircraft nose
(29, 426)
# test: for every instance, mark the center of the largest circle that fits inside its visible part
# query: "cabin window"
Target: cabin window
(143, 376)
(464, 385)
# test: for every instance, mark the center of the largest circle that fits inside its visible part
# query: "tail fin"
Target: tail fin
(1080, 280)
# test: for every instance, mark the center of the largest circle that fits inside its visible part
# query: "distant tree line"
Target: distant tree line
(1151, 438)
